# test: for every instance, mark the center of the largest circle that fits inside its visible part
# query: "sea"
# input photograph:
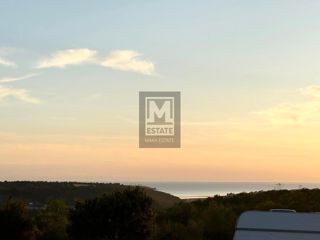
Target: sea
(187, 190)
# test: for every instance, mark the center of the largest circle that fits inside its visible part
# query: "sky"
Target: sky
(248, 72)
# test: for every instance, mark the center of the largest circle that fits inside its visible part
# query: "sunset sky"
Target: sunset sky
(248, 73)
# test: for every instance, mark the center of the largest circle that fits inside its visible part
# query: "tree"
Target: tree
(15, 224)
(218, 223)
(52, 221)
(178, 223)
(122, 215)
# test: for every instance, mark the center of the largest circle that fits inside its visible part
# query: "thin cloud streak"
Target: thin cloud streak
(296, 113)
(14, 79)
(63, 58)
(122, 60)
(19, 94)
(7, 63)
(128, 60)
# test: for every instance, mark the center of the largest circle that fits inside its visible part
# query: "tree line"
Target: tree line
(130, 214)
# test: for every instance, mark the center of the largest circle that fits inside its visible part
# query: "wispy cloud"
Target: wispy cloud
(296, 113)
(61, 59)
(20, 94)
(123, 60)
(17, 93)
(128, 60)
(13, 79)
(311, 91)
(287, 113)
(7, 63)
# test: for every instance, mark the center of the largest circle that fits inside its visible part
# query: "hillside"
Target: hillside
(39, 193)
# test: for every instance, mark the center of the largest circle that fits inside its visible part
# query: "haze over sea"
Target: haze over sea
(206, 189)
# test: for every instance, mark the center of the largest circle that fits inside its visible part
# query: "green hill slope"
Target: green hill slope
(39, 193)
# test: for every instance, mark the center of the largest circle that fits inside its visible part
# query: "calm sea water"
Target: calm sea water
(207, 189)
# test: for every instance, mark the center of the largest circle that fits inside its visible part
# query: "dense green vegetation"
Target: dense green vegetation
(130, 214)
(126, 215)
(215, 218)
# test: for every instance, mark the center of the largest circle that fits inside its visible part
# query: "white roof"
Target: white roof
(256, 225)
